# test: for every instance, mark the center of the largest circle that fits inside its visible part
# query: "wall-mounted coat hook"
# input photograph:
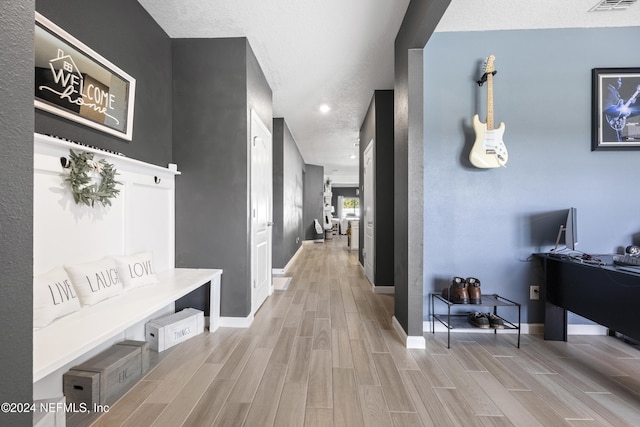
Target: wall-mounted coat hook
(66, 163)
(156, 180)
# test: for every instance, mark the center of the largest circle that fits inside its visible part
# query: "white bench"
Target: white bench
(72, 336)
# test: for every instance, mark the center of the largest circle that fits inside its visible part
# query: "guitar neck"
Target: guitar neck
(490, 101)
(632, 97)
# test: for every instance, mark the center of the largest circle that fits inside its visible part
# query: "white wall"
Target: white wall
(141, 218)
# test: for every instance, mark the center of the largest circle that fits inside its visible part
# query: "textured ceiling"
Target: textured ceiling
(338, 52)
(332, 52)
(487, 15)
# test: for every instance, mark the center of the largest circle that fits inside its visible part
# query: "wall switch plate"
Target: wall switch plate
(534, 292)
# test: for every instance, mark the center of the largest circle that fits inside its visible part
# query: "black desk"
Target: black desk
(604, 294)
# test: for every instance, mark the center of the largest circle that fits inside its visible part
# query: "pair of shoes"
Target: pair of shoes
(458, 292)
(479, 320)
(485, 320)
(463, 291)
(475, 295)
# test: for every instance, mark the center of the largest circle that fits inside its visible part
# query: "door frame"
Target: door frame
(255, 305)
(369, 250)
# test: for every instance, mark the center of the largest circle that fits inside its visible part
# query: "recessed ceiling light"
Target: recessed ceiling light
(324, 108)
(353, 156)
(605, 5)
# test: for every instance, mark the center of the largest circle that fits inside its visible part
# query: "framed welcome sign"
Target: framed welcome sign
(74, 82)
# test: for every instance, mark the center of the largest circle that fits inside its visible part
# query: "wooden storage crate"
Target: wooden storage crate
(144, 352)
(167, 331)
(107, 376)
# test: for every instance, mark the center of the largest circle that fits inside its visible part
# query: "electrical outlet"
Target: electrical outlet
(534, 292)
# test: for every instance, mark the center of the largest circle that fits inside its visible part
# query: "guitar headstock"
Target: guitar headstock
(488, 69)
(488, 64)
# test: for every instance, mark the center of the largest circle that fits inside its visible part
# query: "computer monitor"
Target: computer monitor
(571, 229)
(555, 230)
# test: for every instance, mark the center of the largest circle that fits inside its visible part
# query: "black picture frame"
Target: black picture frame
(75, 82)
(615, 116)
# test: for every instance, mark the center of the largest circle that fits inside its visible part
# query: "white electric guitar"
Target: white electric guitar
(488, 150)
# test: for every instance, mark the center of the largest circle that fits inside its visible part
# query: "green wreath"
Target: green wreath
(84, 191)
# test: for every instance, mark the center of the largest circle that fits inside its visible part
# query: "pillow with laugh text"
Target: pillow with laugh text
(95, 281)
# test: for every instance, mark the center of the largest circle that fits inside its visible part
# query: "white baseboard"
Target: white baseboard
(378, 289)
(575, 329)
(283, 271)
(415, 342)
(525, 328)
(236, 322)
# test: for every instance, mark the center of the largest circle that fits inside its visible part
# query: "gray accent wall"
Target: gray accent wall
(288, 167)
(378, 125)
(342, 191)
(417, 26)
(16, 208)
(277, 256)
(216, 82)
(478, 222)
(313, 198)
(126, 35)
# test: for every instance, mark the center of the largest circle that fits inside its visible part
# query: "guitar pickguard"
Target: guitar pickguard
(488, 150)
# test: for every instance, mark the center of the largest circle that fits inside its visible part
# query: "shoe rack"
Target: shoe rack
(458, 319)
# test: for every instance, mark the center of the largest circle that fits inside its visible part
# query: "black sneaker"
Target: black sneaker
(479, 320)
(494, 321)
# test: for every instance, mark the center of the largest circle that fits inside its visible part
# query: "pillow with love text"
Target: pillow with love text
(136, 270)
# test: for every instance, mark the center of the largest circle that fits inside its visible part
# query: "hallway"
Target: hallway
(323, 353)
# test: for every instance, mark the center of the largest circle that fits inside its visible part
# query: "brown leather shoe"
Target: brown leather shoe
(475, 295)
(457, 293)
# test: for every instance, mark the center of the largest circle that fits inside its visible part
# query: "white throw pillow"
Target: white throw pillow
(53, 297)
(95, 281)
(136, 270)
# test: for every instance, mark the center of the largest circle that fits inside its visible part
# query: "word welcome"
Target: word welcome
(98, 99)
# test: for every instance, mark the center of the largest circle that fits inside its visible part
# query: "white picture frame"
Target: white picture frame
(74, 82)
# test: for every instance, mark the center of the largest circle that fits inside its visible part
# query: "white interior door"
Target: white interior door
(369, 210)
(261, 212)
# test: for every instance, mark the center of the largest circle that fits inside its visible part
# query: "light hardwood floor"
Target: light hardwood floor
(323, 353)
